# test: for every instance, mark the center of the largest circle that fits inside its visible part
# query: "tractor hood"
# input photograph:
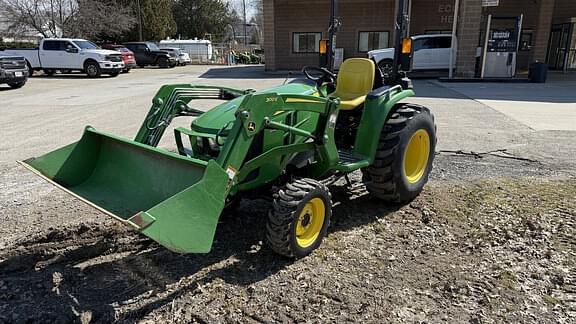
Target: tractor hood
(211, 121)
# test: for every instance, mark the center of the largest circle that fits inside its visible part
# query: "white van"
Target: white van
(199, 50)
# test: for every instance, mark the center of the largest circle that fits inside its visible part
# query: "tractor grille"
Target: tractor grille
(12, 63)
(115, 57)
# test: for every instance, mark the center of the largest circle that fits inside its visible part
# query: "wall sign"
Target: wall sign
(446, 12)
(490, 3)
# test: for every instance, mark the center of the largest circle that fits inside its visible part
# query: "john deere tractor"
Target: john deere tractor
(289, 142)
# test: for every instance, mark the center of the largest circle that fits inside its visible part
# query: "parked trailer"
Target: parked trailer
(200, 50)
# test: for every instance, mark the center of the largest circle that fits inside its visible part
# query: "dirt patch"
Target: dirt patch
(481, 252)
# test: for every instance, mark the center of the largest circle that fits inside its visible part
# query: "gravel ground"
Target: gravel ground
(468, 250)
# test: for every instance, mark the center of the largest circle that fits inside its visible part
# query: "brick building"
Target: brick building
(292, 29)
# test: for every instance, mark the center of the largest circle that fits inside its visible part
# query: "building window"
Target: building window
(372, 40)
(306, 42)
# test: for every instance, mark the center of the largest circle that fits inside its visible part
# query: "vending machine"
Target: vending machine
(501, 46)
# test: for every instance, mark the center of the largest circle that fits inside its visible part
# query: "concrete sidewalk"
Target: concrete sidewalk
(542, 107)
(470, 120)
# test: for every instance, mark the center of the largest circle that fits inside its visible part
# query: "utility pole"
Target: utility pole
(332, 31)
(399, 34)
(139, 21)
(454, 44)
(245, 24)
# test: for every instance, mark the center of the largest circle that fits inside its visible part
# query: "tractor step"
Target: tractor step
(350, 161)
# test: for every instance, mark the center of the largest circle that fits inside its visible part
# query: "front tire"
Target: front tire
(300, 218)
(17, 85)
(114, 74)
(404, 156)
(92, 69)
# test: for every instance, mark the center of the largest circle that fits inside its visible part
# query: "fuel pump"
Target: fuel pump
(501, 46)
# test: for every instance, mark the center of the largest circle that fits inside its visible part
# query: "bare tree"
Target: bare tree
(257, 21)
(73, 18)
(95, 18)
(44, 16)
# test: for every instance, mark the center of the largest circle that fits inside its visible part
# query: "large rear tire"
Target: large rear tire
(404, 156)
(163, 62)
(30, 69)
(300, 218)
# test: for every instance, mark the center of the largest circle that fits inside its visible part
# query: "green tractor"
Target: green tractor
(290, 142)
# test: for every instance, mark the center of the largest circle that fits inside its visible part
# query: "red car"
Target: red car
(127, 55)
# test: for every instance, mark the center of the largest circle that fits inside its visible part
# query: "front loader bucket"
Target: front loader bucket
(172, 199)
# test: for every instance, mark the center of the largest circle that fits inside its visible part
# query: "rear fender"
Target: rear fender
(377, 108)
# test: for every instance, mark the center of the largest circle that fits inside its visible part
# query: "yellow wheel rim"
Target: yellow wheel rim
(416, 156)
(309, 223)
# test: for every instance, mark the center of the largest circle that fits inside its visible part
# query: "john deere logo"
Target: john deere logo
(251, 126)
(272, 99)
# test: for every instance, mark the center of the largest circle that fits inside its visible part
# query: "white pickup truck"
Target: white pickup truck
(65, 54)
(431, 53)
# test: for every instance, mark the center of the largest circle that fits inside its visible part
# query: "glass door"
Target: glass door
(559, 49)
(571, 65)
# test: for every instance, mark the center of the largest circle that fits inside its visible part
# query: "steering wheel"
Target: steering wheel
(311, 73)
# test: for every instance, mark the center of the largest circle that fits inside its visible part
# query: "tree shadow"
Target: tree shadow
(242, 72)
(92, 270)
(5, 87)
(71, 76)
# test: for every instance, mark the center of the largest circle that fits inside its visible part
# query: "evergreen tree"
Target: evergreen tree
(157, 20)
(196, 18)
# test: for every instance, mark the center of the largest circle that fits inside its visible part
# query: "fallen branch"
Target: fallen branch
(480, 155)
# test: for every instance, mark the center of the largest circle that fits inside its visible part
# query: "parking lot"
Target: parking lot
(490, 240)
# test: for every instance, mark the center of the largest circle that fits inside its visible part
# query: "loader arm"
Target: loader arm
(172, 101)
(254, 115)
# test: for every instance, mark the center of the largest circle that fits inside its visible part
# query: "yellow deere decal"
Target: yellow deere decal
(251, 126)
